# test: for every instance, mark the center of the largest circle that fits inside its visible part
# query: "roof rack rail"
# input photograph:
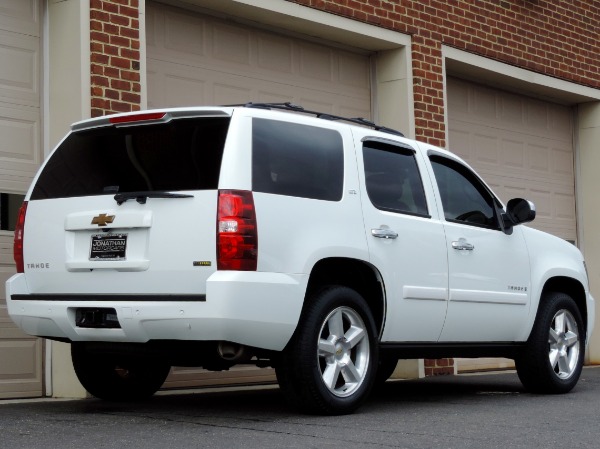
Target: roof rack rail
(287, 106)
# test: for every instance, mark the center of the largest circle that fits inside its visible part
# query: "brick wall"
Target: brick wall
(115, 56)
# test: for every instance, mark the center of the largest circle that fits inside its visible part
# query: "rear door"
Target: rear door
(128, 208)
(406, 240)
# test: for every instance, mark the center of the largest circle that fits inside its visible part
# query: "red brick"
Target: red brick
(130, 12)
(120, 62)
(129, 75)
(120, 84)
(99, 81)
(99, 37)
(109, 28)
(97, 91)
(119, 41)
(131, 98)
(111, 94)
(111, 50)
(130, 32)
(130, 54)
(101, 16)
(119, 106)
(99, 58)
(119, 20)
(109, 6)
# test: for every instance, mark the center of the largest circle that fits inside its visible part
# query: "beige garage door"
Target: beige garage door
(522, 147)
(20, 61)
(195, 59)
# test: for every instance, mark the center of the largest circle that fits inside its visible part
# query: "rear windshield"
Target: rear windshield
(183, 154)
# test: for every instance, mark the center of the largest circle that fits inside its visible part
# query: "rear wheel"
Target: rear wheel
(117, 378)
(329, 365)
(553, 359)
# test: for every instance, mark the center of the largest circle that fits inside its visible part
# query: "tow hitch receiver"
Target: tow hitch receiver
(98, 318)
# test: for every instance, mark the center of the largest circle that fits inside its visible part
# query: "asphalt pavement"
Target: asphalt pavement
(465, 411)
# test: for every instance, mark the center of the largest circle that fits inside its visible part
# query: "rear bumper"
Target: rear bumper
(250, 308)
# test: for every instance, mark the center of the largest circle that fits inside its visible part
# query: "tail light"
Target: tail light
(18, 245)
(237, 236)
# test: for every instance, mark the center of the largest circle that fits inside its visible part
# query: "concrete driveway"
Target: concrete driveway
(466, 411)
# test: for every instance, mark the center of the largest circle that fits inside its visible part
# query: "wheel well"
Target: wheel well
(571, 287)
(355, 274)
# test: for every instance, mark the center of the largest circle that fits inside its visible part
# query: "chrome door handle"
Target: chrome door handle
(463, 245)
(384, 233)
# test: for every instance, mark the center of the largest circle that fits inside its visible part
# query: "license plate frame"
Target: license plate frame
(108, 247)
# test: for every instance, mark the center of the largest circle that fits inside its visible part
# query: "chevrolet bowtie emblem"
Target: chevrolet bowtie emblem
(103, 219)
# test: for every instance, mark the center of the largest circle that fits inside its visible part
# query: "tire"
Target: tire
(553, 358)
(329, 365)
(117, 379)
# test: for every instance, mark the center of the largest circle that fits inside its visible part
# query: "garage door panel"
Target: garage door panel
(523, 156)
(502, 110)
(19, 147)
(21, 16)
(19, 79)
(275, 54)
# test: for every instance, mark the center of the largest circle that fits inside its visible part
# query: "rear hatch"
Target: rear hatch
(127, 205)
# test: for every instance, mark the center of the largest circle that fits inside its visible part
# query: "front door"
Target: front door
(489, 287)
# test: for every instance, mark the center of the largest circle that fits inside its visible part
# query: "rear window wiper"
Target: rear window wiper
(141, 197)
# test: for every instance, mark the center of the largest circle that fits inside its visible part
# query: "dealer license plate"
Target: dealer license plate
(108, 247)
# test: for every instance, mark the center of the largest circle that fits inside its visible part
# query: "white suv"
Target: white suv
(271, 235)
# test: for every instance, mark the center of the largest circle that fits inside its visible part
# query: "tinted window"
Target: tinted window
(180, 155)
(393, 179)
(464, 198)
(297, 160)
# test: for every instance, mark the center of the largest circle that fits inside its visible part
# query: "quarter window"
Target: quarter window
(392, 178)
(465, 198)
(297, 160)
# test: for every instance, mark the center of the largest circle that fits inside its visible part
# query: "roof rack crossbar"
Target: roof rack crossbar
(287, 106)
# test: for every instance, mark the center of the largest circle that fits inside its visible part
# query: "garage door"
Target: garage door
(199, 60)
(195, 59)
(522, 147)
(20, 355)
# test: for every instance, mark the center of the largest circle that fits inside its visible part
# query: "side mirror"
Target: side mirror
(520, 211)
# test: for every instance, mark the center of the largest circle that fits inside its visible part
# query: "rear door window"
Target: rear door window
(183, 154)
(392, 178)
(297, 160)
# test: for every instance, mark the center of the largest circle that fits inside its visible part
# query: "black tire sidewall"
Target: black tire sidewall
(301, 355)
(533, 366)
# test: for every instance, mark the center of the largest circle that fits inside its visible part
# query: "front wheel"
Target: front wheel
(329, 365)
(553, 358)
(113, 378)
